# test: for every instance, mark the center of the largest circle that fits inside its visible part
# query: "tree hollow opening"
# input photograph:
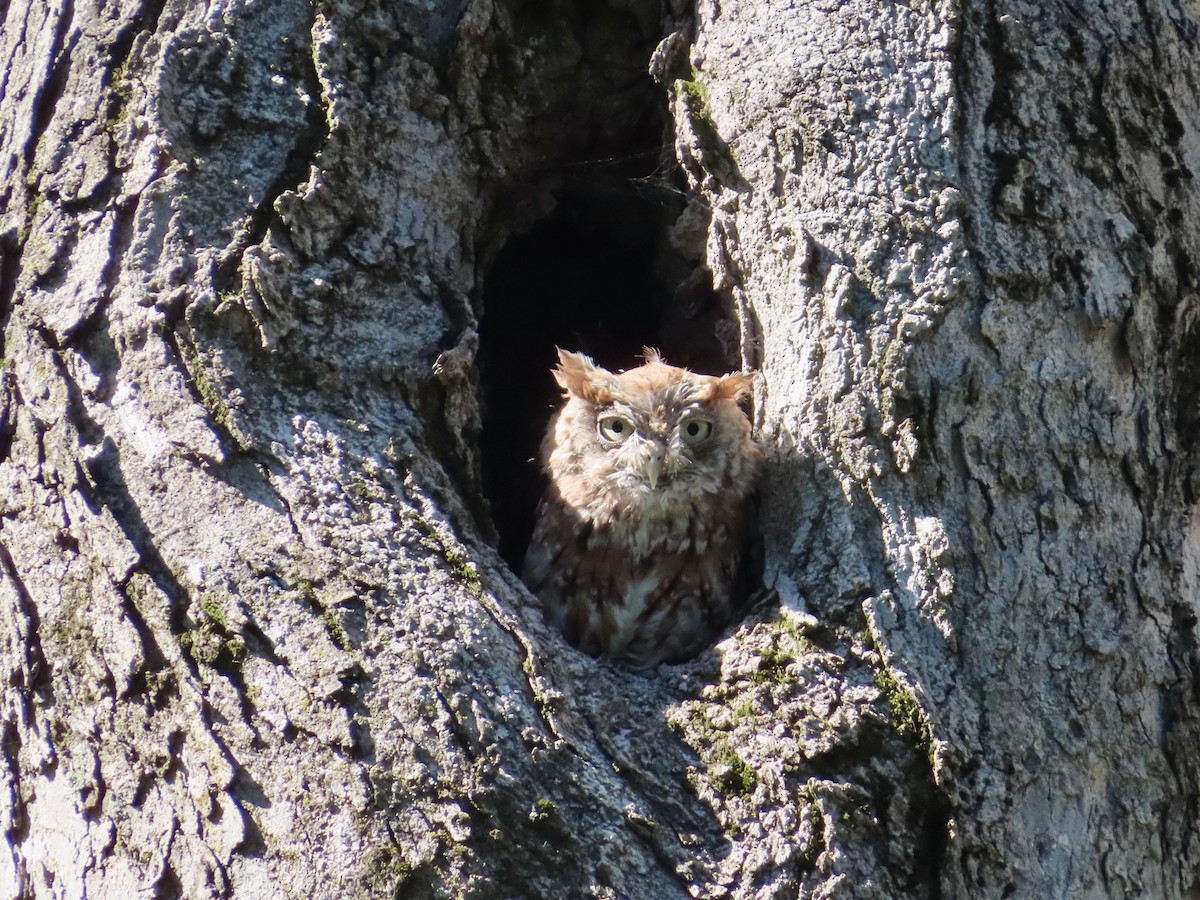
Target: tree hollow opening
(615, 267)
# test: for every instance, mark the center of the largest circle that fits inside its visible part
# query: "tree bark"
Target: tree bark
(256, 636)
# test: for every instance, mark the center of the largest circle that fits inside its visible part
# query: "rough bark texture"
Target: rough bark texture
(254, 636)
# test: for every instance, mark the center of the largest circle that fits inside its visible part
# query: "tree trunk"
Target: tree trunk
(281, 284)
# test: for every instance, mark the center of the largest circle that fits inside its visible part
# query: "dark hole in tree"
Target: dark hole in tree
(601, 275)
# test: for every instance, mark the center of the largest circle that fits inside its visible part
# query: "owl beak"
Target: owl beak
(654, 470)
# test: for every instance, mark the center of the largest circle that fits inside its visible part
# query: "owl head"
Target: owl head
(648, 438)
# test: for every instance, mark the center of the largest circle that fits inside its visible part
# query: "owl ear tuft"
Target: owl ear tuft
(579, 377)
(735, 386)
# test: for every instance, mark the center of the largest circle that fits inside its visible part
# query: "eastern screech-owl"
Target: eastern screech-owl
(638, 549)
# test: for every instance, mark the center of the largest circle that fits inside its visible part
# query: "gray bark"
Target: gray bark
(255, 636)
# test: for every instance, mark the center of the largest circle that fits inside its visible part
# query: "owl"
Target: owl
(638, 552)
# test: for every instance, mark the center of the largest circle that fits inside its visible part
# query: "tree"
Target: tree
(280, 285)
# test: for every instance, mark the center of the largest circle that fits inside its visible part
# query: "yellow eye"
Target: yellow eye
(695, 431)
(615, 428)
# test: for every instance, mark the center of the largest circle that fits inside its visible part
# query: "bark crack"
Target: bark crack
(11, 248)
(51, 90)
(35, 672)
(145, 21)
(10, 401)
(18, 814)
(217, 422)
(312, 138)
(543, 699)
(102, 485)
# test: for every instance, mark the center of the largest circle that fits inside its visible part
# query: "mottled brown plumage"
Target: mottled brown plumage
(637, 553)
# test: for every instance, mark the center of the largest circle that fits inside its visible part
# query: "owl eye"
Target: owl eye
(695, 431)
(615, 428)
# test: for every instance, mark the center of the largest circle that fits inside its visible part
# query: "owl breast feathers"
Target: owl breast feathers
(638, 548)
